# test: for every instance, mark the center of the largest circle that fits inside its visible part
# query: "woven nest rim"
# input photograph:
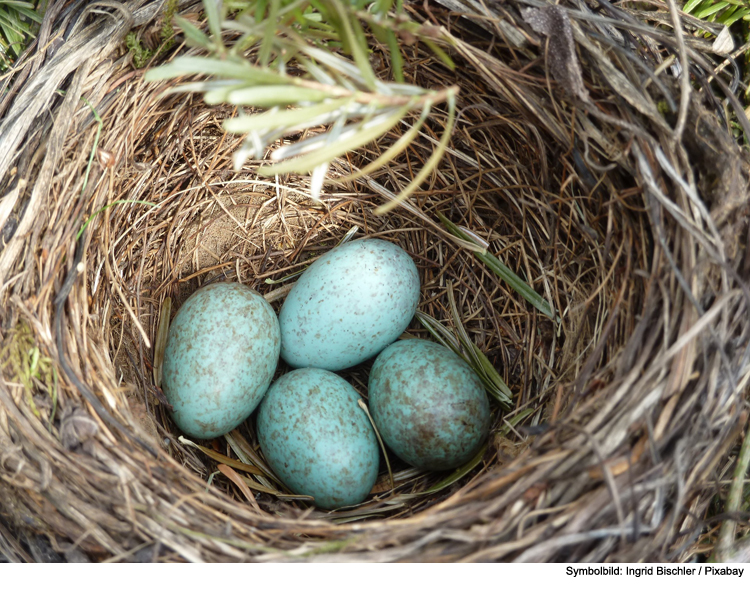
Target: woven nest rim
(635, 398)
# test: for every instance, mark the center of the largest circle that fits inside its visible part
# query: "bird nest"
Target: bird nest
(580, 158)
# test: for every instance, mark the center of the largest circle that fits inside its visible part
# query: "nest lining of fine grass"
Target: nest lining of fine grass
(621, 413)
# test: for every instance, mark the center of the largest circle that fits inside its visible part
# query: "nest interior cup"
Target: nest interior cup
(615, 193)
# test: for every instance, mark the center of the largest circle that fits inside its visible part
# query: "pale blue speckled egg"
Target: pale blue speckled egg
(221, 354)
(348, 305)
(317, 439)
(428, 404)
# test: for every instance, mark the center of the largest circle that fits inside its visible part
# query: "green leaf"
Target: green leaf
(383, 6)
(13, 37)
(351, 33)
(431, 163)
(259, 10)
(283, 119)
(505, 429)
(306, 163)
(215, 94)
(494, 384)
(270, 281)
(219, 457)
(14, 24)
(187, 65)
(249, 456)
(17, 4)
(271, 96)
(391, 153)
(192, 33)
(214, 16)
(489, 374)
(269, 37)
(441, 334)
(503, 271)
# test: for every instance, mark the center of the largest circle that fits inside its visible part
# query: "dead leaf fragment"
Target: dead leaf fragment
(234, 477)
(723, 44)
(554, 23)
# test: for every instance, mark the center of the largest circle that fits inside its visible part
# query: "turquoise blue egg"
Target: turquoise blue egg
(428, 405)
(221, 354)
(349, 305)
(317, 439)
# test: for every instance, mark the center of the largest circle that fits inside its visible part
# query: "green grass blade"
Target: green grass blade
(493, 376)
(383, 6)
(29, 12)
(691, 5)
(270, 281)
(463, 336)
(160, 343)
(13, 41)
(214, 94)
(249, 456)
(106, 207)
(728, 13)
(397, 60)
(441, 334)
(491, 380)
(269, 34)
(718, 7)
(258, 10)
(12, 24)
(511, 422)
(17, 4)
(503, 271)
(442, 56)
(739, 14)
(458, 473)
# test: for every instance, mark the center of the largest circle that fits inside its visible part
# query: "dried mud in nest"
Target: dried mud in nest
(623, 412)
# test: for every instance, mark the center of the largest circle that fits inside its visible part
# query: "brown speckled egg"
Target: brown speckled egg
(317, 439)
(221, 354)
(428, 404)
(348, 305)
